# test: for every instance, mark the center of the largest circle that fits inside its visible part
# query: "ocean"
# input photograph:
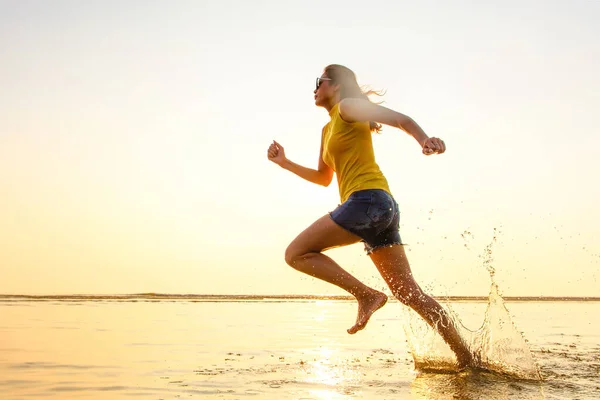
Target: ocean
(241, 347)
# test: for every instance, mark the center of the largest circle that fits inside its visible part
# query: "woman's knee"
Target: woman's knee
(292, 255)
(295, 254)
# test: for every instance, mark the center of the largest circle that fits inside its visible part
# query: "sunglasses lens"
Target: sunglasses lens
(318, 83)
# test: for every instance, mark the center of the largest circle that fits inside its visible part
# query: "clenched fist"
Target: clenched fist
(433, 146)
(276, 153)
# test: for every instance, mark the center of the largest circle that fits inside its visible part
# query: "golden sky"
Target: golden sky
(133, 142)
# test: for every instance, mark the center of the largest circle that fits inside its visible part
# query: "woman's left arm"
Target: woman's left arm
(354, 110)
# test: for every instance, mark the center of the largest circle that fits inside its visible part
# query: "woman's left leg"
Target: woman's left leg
(305, 255)
(393, 265)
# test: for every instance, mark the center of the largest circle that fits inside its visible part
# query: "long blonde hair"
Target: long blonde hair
(349, 87)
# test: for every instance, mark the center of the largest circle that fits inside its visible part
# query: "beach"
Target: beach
(171, 171)
(271, 349)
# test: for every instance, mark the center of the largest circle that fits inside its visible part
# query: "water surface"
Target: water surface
(165, 348)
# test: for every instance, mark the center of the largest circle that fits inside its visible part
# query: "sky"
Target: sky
(133, 139)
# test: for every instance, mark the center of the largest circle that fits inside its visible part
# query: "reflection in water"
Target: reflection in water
(334, 378)
(474, 385)
(321, 371)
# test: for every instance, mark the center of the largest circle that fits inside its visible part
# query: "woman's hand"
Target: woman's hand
(276, 153)
(433, 145)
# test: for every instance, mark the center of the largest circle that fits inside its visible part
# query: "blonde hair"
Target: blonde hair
(349, 87)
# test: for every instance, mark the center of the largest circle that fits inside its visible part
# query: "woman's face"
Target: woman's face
(324, 91)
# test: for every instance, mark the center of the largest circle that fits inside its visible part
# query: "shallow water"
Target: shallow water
(267, 349)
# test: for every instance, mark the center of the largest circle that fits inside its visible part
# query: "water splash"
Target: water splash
(497, 344)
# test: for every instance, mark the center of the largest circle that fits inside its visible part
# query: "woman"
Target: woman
(368, 212)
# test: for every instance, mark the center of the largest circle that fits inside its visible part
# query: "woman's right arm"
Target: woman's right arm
(321, 176)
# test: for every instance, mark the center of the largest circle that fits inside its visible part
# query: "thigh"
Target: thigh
(323, 234)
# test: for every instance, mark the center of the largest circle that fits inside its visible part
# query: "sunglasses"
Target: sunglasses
(320, 81)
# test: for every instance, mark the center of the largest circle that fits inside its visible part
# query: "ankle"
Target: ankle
(366, 293)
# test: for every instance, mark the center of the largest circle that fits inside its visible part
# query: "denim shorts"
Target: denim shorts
(372, 215)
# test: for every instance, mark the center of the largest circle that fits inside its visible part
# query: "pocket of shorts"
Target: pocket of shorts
(380, 208)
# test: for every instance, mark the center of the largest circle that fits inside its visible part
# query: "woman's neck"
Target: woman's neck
(329, 106)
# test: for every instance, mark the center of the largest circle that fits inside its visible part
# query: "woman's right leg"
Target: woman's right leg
(393, 265)
(305, 255)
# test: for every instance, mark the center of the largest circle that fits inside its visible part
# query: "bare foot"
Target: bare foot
(366, 307)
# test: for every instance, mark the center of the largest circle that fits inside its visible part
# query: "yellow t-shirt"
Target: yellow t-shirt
(348, 150)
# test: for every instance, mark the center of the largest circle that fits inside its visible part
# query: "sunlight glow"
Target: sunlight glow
(330, 371)
(322, 310)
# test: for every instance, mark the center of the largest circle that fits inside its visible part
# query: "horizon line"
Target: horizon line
(241, 297)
